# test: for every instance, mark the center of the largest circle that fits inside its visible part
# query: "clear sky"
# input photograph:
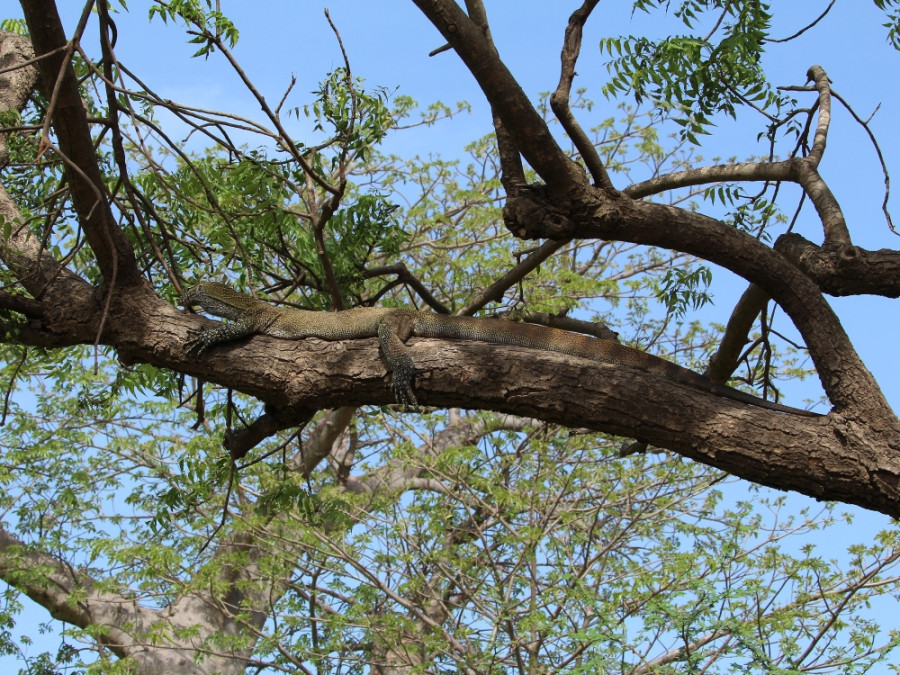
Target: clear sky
(388, 45)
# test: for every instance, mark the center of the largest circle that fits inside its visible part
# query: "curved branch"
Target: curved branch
(71, 596)
(322, 441)
(559, 99)
(823, 86)
(723, 363)
(239, 443)
(836, 232)
(742, 171)
(512, 173)
(402, 474)
(19, 74)
(529, 132)
(803, 171)
(404, 276)
(849, 385)
(805, 28)
(63, 312)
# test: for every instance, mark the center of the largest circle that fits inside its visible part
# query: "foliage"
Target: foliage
(704, 76)
(892, 8)
(194, 14)
(461, 541)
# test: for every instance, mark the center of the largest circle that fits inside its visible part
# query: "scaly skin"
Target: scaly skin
(393, 327)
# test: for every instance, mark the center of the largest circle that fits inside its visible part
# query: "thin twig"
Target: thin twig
(805, 28)
(884, 169)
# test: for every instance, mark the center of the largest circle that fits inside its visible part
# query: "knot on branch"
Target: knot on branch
(535, 212)
(844, 269)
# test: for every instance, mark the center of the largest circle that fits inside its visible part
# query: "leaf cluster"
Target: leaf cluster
(696, 77)
(210, 24)
(892, 8)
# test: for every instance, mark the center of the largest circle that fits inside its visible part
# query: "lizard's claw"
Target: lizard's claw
(198, 341)
(402, 386)
(404, 395)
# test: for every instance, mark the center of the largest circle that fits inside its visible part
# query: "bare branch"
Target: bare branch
(528, 131)
(404, 276)
(807, 26)
(723, 363)
(559, 99)
(887, 176)
(742, 171)
(497, 289)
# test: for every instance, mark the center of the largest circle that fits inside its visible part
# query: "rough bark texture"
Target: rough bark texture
(315, 375)
(851, 455)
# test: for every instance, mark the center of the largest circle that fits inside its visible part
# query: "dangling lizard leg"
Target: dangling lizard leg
(400, 364)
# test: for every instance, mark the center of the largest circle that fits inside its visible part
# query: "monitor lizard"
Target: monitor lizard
(393, 327)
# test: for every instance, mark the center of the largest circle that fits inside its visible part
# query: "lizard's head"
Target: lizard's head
(218, 300)
(193, 296)
(207, 292)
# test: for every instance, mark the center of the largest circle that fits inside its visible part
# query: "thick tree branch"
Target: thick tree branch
(114, 254)
(17, 79)
(823, 86)
(836, 232)
(322, 442)
(239, 443)
(71, 596)
(398, 474)
(838, 455)
(743, 171)
(523, 123)
(849, 385)
(723, 363)
(23, 253)
(844, 270)
(64, 311)
(512, 173)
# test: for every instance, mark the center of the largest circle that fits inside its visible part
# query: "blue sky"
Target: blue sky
(388, 43)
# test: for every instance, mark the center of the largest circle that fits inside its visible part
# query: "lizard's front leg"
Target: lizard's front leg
(399, 361)
(203, 338)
